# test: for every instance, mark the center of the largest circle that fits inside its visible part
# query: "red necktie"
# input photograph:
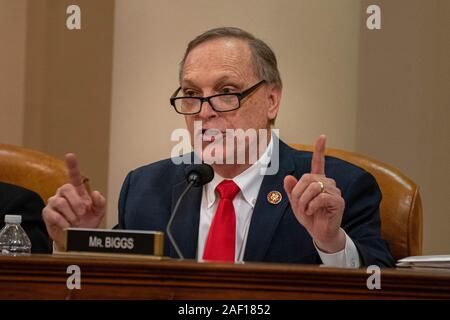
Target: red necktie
(220, 245)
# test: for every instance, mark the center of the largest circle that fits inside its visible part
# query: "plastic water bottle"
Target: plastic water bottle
(13, 239)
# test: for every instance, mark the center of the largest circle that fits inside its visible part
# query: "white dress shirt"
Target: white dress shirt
(249, 183)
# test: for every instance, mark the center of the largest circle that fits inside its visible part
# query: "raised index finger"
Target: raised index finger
(318, 157)
(75, 178)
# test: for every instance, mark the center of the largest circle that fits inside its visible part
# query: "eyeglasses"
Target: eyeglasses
(222, 102)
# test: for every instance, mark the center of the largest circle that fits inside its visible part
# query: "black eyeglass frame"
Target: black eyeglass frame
(239, 95)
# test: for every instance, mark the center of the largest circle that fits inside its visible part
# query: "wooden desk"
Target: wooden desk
(44, 277)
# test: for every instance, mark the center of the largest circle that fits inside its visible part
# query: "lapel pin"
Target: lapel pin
(274, 197)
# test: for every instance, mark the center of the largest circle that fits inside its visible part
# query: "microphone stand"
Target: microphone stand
(172, 216)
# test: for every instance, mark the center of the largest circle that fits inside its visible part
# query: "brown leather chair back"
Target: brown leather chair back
(400, 208)
(32, 170)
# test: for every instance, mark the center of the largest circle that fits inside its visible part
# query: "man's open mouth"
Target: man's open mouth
(210, 135)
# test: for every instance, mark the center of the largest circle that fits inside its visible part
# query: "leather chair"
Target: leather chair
(32, 170)
(400, 208)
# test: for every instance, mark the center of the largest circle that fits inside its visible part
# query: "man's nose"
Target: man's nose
(207, 111)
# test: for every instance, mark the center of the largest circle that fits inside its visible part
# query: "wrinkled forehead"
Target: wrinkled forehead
(219, 56)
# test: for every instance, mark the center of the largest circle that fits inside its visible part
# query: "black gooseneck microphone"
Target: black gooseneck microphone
(196, 175)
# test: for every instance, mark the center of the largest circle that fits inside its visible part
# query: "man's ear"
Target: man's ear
(274, 98)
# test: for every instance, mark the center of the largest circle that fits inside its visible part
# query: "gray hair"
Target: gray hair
(264, 60)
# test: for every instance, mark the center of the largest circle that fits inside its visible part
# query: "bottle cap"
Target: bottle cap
(9, 218)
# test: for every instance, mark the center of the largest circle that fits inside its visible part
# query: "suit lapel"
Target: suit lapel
(266, 216)
(185, 225)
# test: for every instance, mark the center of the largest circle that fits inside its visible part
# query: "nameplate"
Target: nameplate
(134, 242)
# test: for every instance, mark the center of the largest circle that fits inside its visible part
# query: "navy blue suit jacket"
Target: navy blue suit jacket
(149, 194)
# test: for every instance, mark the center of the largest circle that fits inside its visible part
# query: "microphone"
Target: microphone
(200, 174)
(196, 175)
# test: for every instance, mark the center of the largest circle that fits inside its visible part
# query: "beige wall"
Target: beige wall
(55, 84)
(12, 69)
(317, 47)
(404, 103)
(68, 84)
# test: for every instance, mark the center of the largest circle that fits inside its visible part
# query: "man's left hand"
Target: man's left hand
(317, 203)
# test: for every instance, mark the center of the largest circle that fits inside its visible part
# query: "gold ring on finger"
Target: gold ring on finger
(322, 186)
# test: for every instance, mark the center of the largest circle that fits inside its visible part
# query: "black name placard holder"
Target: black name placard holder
(110, 243)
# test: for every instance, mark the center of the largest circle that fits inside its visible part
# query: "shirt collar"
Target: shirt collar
(248, 181)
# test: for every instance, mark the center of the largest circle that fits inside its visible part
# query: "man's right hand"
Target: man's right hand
(72, 205)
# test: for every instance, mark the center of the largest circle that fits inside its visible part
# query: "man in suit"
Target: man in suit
(312, 210)
(28, 204)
